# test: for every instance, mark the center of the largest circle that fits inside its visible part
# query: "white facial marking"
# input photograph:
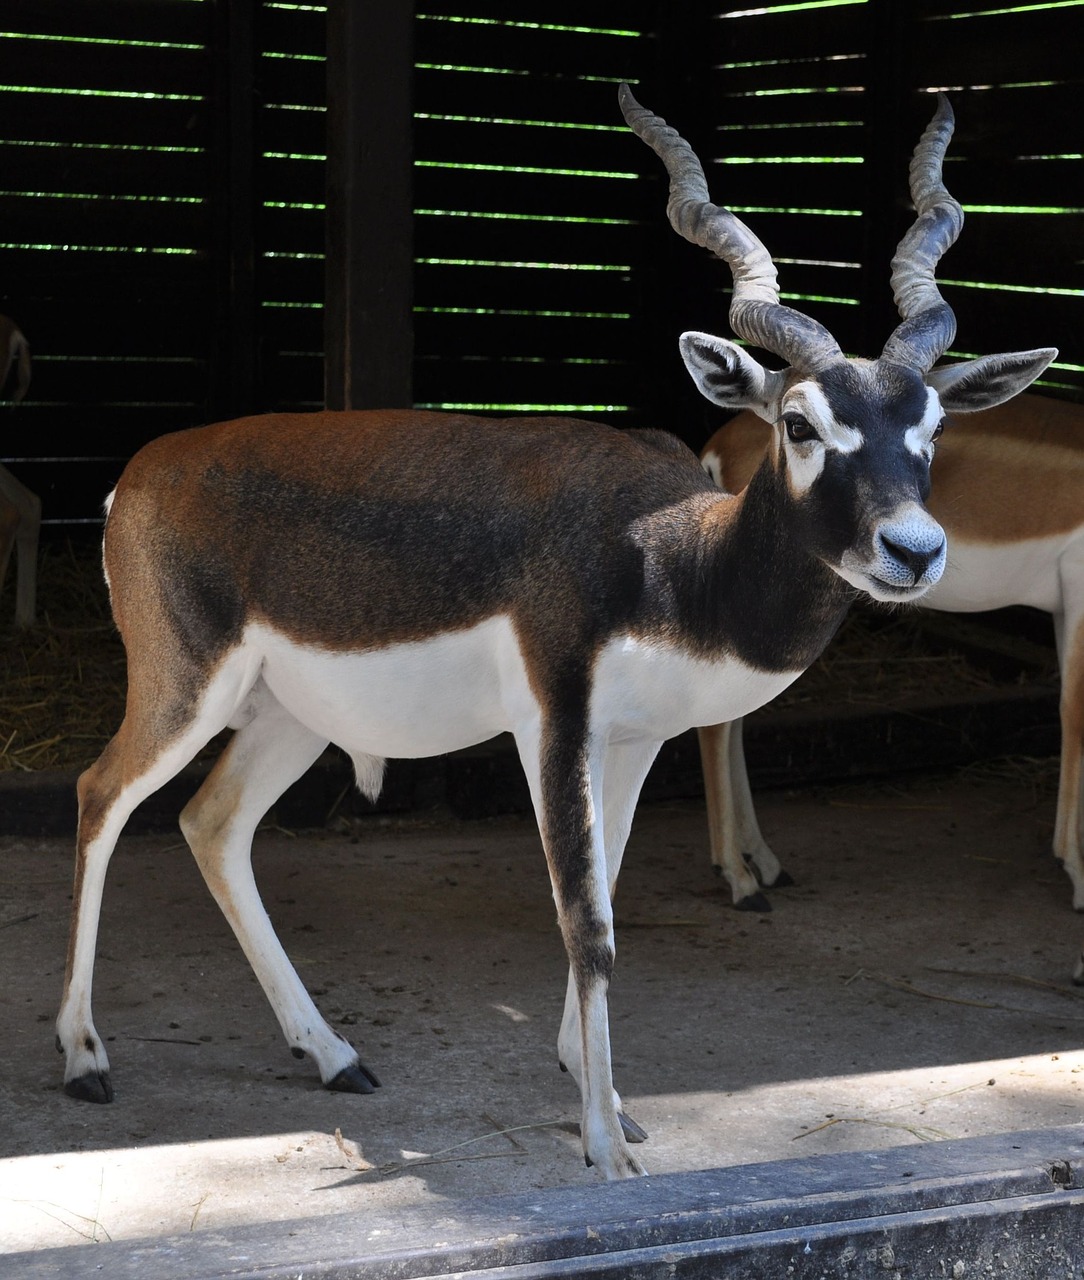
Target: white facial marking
(919, 439)
(809, 400)
(806, 458)
(804, 465)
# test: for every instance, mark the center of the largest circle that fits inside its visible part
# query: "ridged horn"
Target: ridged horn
(756, 313)
(929, 325)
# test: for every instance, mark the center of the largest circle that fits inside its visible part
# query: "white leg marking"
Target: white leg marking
(733, 832)
(750, 840)
(583, 1043)
(715, 753)
(264, 758)
(107, 798)
(1069, 632)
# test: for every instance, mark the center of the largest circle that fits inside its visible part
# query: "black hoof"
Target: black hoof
(631, 1130)
(783, 881)
(355, 1079)
(753, 902)
(90, 1088)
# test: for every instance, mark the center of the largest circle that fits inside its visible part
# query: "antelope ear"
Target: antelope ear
(980, 384)
(728, 376)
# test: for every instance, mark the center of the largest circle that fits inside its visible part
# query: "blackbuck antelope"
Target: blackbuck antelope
(407, 583)
(1008, 489)
(20, 510)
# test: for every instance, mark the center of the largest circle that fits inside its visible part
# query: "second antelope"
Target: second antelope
(1008, 489)
(409, 583)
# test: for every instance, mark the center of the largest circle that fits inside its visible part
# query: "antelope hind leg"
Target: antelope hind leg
(267, 755)
(144, 754)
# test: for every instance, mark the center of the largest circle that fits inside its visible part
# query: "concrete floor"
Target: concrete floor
(913, 986)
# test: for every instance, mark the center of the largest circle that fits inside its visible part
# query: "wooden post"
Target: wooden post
(368, 321)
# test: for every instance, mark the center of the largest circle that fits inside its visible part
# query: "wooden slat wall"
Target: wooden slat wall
(148, 261)
(524, 278)
(291, 150)
(1018, 169)
(801, 82)
(788, 91)
(105, 232)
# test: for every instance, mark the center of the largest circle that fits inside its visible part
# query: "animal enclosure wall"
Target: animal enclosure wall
(163, 201)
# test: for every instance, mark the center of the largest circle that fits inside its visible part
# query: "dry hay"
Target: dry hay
(62, 683)
(882, 657)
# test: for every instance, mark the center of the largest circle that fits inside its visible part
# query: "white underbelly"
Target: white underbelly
(407, 700)
(454, 690)
(650, 691)
(984, 576)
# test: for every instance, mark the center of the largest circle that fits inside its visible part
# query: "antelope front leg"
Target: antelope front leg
(754, 848)
(723, 828)
(626, 768)
(726, 856)
(1069, 631)
(568, 795)
(738, 850)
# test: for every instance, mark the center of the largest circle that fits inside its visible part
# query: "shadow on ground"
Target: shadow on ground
(912, 986)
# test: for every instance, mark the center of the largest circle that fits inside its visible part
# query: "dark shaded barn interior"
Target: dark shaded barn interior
(498, 239)
(216, 207)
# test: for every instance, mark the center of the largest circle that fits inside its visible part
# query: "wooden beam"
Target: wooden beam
(1012, 1198)
(368, 329)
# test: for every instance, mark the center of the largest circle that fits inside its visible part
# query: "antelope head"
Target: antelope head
(853, 438)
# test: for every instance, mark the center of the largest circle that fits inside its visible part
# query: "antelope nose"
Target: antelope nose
(922, 557)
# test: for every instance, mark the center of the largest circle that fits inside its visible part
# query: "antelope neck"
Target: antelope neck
(749, 588)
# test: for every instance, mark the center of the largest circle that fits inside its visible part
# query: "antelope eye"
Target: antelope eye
(798, 428)
(936, 435)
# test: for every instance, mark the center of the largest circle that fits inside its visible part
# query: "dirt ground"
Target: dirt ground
(912, 986)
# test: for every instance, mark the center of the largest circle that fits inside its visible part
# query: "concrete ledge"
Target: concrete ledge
(1012, 1204)
(788, 748)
